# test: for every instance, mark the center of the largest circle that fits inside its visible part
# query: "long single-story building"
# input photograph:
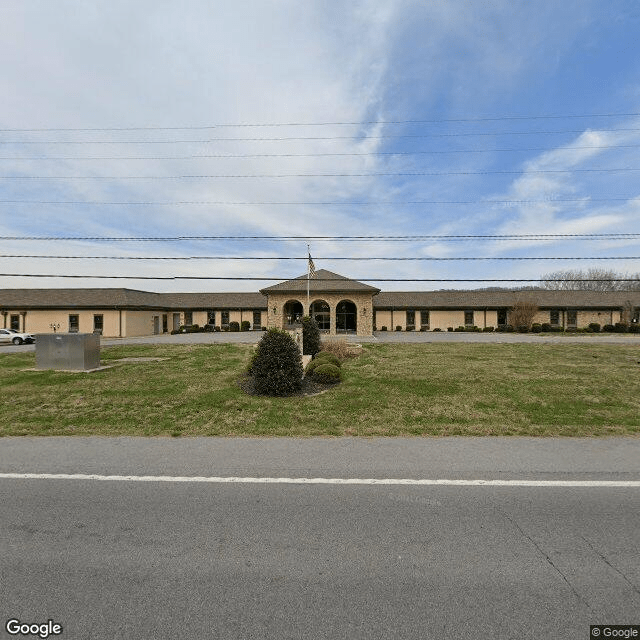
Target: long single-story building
(339, 305)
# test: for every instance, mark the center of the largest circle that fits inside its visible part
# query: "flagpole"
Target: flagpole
(308, 277)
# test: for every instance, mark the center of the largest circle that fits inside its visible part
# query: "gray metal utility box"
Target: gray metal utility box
(68, 351)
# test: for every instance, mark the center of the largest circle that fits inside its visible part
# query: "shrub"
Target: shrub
(449, 328)
(234, 326)
(327, 373)
(595, 327)
(437, 329)
(245, 325)
(609, 328)
(263, 328)
(189, 328)
(488, 330)
(523, 328)
(216, 328)
(209, 328)
(327, 356)
(310, 336)
(461, 328)
(536, 327)
(383, 328)
(339, 348)
(424, 329)
(277, 364)
(174, 331)
(410, 328)
(634, 327)
(546, 327)
(398, 328)
(621, 327)
(509, 328)
(225, 327)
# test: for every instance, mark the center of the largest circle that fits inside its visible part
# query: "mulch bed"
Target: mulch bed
(309, 387)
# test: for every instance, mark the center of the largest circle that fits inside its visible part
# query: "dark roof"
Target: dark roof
(78, 298)
(215, 300)
(323, 282)
(466, 299)
(495, 299)
(125, 298)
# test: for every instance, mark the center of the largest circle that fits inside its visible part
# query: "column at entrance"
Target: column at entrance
(332, 319)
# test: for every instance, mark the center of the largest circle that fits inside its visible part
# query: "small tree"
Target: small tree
(522, 313)
(277, 364)
(310, 336)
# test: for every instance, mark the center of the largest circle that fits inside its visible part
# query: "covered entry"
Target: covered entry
(346, 317)
(293, 312)
(321, 313)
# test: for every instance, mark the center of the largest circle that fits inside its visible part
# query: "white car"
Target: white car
(10, 335)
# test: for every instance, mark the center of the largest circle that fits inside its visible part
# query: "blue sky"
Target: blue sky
(503, 117)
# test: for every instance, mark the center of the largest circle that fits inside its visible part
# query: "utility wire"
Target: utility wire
(315, 155)
(323, 124)
(332, 175)
(351, 137)
(280, 279)
(409, 238)
(304, 258)
(585, 199)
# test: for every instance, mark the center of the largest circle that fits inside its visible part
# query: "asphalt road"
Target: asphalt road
(174, 559)
(413, 337)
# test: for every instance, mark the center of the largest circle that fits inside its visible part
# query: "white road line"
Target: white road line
(336, 481)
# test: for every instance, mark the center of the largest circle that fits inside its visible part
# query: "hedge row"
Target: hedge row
(209, 328)
(594, 327)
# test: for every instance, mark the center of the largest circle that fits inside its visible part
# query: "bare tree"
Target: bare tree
(591, 280)
(522, 313)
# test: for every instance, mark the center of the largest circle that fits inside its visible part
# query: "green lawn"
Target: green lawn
(418, 389)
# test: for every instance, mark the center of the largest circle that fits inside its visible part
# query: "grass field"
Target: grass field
(390, 390)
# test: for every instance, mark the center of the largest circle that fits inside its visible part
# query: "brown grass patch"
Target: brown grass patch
(341, 348)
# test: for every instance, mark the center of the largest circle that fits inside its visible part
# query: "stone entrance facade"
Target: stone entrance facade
(340, 305)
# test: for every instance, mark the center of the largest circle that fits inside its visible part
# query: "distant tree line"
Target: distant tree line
(591, 280)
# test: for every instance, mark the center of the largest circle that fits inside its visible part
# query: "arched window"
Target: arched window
(321, 313)
(346, 317)
(292, 312)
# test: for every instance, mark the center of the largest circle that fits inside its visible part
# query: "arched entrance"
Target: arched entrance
(292, 312)
(321, 313)
(346, 317)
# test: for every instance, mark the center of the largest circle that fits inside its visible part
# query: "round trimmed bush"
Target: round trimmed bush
(327, 373)
(245, 325)
(277, 364)
(310, 336)
(234, 326)
(328, 357)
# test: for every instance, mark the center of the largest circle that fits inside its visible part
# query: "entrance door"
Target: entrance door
(156, 325)
(346, 317)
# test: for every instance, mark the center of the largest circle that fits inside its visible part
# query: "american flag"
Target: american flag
(312, 267)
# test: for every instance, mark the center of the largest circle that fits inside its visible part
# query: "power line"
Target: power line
(305, 258)
(280, 279)
(315, 155)
(332, 175)
(323, 124)
(351, 137)
(410, 238)
(317, 203)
